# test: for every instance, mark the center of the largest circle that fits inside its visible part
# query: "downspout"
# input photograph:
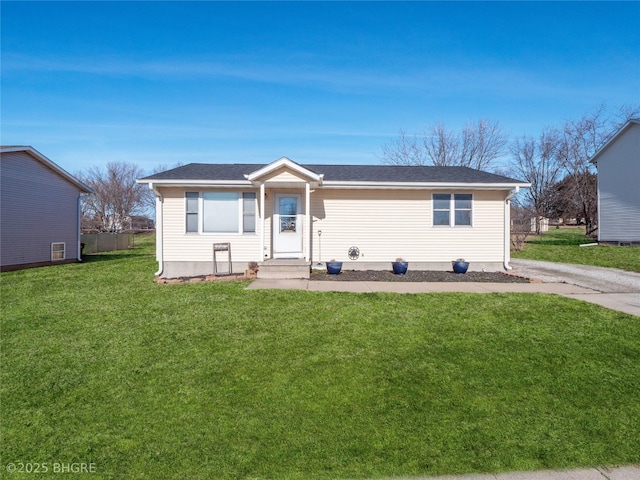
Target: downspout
(307, 223)
(159, 242)
(507, 227)
(262, 223)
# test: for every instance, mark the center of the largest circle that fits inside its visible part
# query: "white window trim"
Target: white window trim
(64, 251)
(452, 210)
(186, 213)
(240, 201)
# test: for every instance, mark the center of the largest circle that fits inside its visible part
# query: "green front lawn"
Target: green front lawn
(563, 245)
(99, 364)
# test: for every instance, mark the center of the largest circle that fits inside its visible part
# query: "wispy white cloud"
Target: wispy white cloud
(302, 72)
(288, 71)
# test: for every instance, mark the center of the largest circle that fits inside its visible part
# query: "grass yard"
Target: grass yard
(208, 380)
(563, 245)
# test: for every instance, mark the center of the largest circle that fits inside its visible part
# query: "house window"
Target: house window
(220, 212)
(452, 210)
(192, 211)
(57, 251)
(249, 212)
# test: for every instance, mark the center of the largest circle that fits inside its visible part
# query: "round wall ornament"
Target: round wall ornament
(354, 253)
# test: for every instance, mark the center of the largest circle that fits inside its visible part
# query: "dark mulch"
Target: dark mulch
(417, 276)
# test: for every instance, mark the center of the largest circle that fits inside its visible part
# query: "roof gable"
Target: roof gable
(32, 152)
(286, 165)
(634, 122)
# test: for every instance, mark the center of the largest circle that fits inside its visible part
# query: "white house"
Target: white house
(40, 214)
(363, 215)
(618, 163)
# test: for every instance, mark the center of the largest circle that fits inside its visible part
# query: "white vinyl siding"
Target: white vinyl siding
(482, 243)
(386, 224)
(383, 224)
(178, 245)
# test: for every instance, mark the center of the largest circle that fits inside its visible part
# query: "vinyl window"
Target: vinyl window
(452, 209)
(58, 251)
(192, 206)
(220, 212)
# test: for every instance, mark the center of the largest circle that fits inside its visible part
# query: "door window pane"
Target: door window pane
(288, 206)
(288, 210)
(287, 223)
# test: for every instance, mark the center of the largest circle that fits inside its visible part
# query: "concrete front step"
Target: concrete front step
(283, 269)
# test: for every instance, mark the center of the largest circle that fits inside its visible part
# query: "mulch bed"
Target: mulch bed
(372, 276)
(417, 276)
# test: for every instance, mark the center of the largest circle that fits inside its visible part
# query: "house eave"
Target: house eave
(49, 164)
(198, 183)
(422, 185)
(339, 185)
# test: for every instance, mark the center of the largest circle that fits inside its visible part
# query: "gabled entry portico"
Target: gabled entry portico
(286, 188)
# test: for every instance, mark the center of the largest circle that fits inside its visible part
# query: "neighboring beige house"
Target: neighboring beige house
(363, 215)
(618, 163)
(40, 210)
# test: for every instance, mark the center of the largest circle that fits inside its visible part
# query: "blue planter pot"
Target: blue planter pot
(400, 268)
(334, 268)
(460, 267)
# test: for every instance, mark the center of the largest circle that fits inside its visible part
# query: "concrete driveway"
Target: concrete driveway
(613, 288)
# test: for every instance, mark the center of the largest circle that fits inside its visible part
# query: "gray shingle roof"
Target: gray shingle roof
(340, 173)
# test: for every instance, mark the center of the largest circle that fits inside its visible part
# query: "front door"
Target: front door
(287, 226)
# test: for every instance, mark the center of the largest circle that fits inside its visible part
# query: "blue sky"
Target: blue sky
(156, 83)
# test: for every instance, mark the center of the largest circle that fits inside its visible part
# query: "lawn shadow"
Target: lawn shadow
(110, 256)
(568, 243)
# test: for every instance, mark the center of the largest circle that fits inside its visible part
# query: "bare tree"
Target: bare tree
(579, 141)
(441, 146)
(520, 224)
(476, 146)
(404, 151)
(481, 144)
(536, 162)
(116, 196)
(566, 202)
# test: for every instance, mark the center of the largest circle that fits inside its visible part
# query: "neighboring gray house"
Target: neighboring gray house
(39, 210)
(618, 163)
